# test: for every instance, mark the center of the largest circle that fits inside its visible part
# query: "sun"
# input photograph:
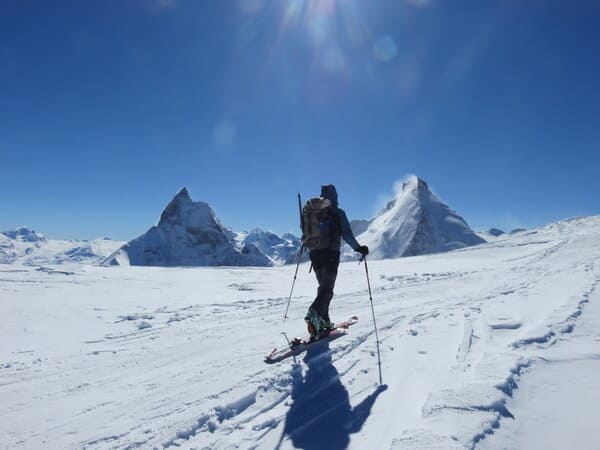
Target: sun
(324, 22)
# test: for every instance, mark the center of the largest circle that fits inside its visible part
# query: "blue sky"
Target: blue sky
(107, 108)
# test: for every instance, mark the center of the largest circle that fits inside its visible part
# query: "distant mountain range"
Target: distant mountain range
(24, 246)
(277, 248)
(189, 233)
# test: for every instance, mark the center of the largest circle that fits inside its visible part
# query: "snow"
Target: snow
(491, 346)
(559, 390)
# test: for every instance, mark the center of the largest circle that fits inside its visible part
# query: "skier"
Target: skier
(325, 262)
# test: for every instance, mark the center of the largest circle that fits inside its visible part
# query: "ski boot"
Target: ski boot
(317, 326)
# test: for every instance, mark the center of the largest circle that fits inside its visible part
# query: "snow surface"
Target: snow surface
(493, 346)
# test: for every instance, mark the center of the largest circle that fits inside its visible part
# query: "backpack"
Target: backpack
(319, 224)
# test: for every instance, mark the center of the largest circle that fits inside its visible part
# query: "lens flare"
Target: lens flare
(385, 49)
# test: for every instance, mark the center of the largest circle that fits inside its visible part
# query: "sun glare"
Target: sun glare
(323, 21)
(333, 37)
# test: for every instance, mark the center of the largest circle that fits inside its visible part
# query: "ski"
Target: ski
(299, 345)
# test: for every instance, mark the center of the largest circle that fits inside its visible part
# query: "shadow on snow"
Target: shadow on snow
(321, 416)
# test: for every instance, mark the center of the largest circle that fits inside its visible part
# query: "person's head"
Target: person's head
(328, 191)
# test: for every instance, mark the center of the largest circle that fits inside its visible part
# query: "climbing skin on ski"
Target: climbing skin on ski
(299, 345)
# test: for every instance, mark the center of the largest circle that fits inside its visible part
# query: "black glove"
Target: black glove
(363, 250)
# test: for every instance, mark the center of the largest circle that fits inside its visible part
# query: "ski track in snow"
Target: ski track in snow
(160, 358)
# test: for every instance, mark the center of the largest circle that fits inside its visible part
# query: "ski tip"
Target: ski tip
(268, 358)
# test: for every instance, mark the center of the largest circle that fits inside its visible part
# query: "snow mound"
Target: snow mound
(416, 222)
(188, 234)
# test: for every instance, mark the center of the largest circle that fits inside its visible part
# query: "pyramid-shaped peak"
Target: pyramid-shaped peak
(183, 194)
(187, 234)
(182, 210)
(415, 182)
(416, 222)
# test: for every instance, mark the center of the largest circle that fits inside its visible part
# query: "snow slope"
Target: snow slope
(416, 222)
(476, 346)
(25, 246)
(188, 234)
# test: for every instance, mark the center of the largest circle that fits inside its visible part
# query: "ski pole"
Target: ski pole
(364, 258)
(293, 283)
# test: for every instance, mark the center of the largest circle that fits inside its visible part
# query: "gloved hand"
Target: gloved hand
(363, 250)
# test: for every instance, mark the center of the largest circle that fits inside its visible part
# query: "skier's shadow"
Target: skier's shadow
(321, 416)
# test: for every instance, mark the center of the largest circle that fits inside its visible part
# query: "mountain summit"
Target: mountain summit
(188, 234)
(416, 222)
(24, 234)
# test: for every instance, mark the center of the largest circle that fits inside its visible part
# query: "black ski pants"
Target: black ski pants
(325, 264)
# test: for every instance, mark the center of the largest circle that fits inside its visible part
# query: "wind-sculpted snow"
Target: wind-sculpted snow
(477, 346)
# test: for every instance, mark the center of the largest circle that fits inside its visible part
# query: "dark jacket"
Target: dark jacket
(329, 192)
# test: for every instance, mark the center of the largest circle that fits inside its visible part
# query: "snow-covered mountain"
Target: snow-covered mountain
(416, 222)
(294, 240)
(278, 249)
(188, 234)
(359, 226)
(24, 234)
(24, 246)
